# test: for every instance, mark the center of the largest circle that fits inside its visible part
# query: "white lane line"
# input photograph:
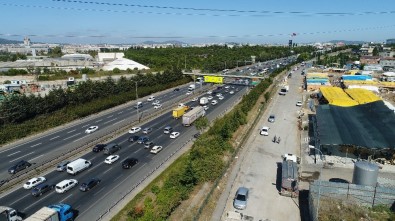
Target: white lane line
(13, 153)
(118, 177)
(21, 157)
(99, 191)
(36, 158)
(98, 121)
(71, 131)
(41, 198)
(66, 198)
(123, 141)
(53, 138)
(81, 138)
(130, 108)
(137, 150)
(118, 122)
(120, 112)
(71, 136)
(110, 116)
(85, 125)
(18, 200)
(107, 170)
(95, 166)
(110, 121)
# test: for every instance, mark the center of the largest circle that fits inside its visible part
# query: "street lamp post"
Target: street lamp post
(319, 178)
(137, 97)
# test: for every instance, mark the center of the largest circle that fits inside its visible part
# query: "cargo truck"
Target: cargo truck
(179, 111)
(203, 101)
(289, 177)
(57, 212)
(192, 115)
(9, 214)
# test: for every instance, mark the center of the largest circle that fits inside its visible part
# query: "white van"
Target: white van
(77, 166)
(65, 185)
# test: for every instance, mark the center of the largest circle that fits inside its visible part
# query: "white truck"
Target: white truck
(77, 166)
(190, 117)
(191, 87)
(203, 101)
(9, 214)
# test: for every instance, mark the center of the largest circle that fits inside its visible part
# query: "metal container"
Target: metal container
(365, 173)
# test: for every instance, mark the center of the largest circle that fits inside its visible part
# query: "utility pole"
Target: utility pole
(137, 97)
(185, 62)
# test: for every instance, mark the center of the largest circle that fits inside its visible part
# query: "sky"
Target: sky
(202, 21)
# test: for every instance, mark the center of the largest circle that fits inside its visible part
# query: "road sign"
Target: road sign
(213, 79)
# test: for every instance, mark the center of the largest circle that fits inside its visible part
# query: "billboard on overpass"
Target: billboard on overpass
(213, 79)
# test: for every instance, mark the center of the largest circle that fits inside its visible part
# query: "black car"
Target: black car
(21, 165)
(62, 166)
(90, 184)
(129, 162)
(99, 147)
(42, 188)
(143, 140)
(134, 138)
(176, 89)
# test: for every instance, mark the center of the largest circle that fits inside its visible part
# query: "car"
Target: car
(65, 185)
(209, 92)
(138, 105)
(149, 144)
(158, 106)
(264, 131)
(111, 159)
(221, 98)
(33, 182)
(271, 118)
(142, 140)
(231, 92)
(62, 166)
(241, 197)
(227, 91)
(134, 130)
(197, 135)
(176, 89)
(21, 165)
(42, 188)
(155, 102)
(156, 149)
(219, 95)
(129, 162)
(89, 184)
(195, 99)
(189, 92)
(205, 107)
(227, 87)
(210, 97)
(133, 138)
(91, 129)
(99, 147)
(214, 102)
(174, 135)
(299, 103)
(151, 98)
(147, 130)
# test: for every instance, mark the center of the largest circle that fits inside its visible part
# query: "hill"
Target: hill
(6, 41)
(348, 42)
(164, 42)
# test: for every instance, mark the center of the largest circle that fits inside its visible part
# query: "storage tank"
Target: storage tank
(365, 173)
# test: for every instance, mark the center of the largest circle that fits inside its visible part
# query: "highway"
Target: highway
(115, 180)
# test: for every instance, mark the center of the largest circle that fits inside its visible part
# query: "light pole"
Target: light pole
(137, 104)
(319, 188)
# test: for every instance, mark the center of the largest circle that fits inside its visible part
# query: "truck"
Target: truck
(203, 101)
(289, 177)
(9, 214)
(191, 87)
(77, 166)
(57, 212)
(192, 115)
(179, 111)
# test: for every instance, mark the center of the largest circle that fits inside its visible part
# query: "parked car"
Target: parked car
(111, 159)
(221, 98)
(265, 131)
(156, 149)
(195, 99)
(91, 129)
(42, 188)
(241, 197)
(231, 92)
(134, 138)
(271, 118)
(129, 162)
(210, 97)
(205, 107)
(142, 140)
(89, 184)
(34, 182)
(134, 130)
(299, 103)
(21, 165)
(174, 135)
(214, 102)
(147, 130)
(99, 147)
(149, 144)
(62, 166)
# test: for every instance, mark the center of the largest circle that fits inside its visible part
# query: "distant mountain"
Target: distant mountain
(164, 42)
(348, 42)
(6, 41)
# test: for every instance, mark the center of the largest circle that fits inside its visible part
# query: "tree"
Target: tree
(375, 51)
(201, 123)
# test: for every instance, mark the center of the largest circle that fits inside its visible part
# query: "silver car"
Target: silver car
(241, 197)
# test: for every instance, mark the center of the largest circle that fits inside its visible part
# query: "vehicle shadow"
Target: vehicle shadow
(278, 176)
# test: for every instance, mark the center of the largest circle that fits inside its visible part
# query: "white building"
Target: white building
(123, 64)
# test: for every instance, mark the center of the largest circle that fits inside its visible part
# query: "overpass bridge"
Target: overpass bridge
(225, 75)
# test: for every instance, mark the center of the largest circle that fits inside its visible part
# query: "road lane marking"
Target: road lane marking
(107, 170)
(110, 121)
(95, 166)
(85, 125)
(13, 153)
(53, 138)
(117, 177)
(130, 108)
(137, 150)
(110, 116)
(98, 121)
(81, 138)
(36, 157)
(123, 141)
(41, 198)
(120, 112)
(21, 157)
(71, 136)
(99, 191)
(118, 122)
(71, 131)
(66, 198)
(18, 200)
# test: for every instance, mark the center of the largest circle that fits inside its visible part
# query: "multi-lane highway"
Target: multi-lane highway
(115, 180)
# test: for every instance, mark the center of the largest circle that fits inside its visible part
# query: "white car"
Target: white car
(91, 129)
(265, 131)
(205, 107)
(299, 103)
(214, 102)
(219, 95)
(195, 99)
(34, 182)
(155, 102)
(65, 185)
(189, 92)
(209, 92)
(156, 149)
(134, 130)
(158, 106)
(174, 135)
(111, 159)
(227, 87)
(231, 92)
(210, 97)
(221, 98)
(151, 98)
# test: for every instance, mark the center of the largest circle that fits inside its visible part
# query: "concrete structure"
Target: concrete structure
(369, 60)
(108, 57)
(123, 64)
(387, 54)
(388, 62)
